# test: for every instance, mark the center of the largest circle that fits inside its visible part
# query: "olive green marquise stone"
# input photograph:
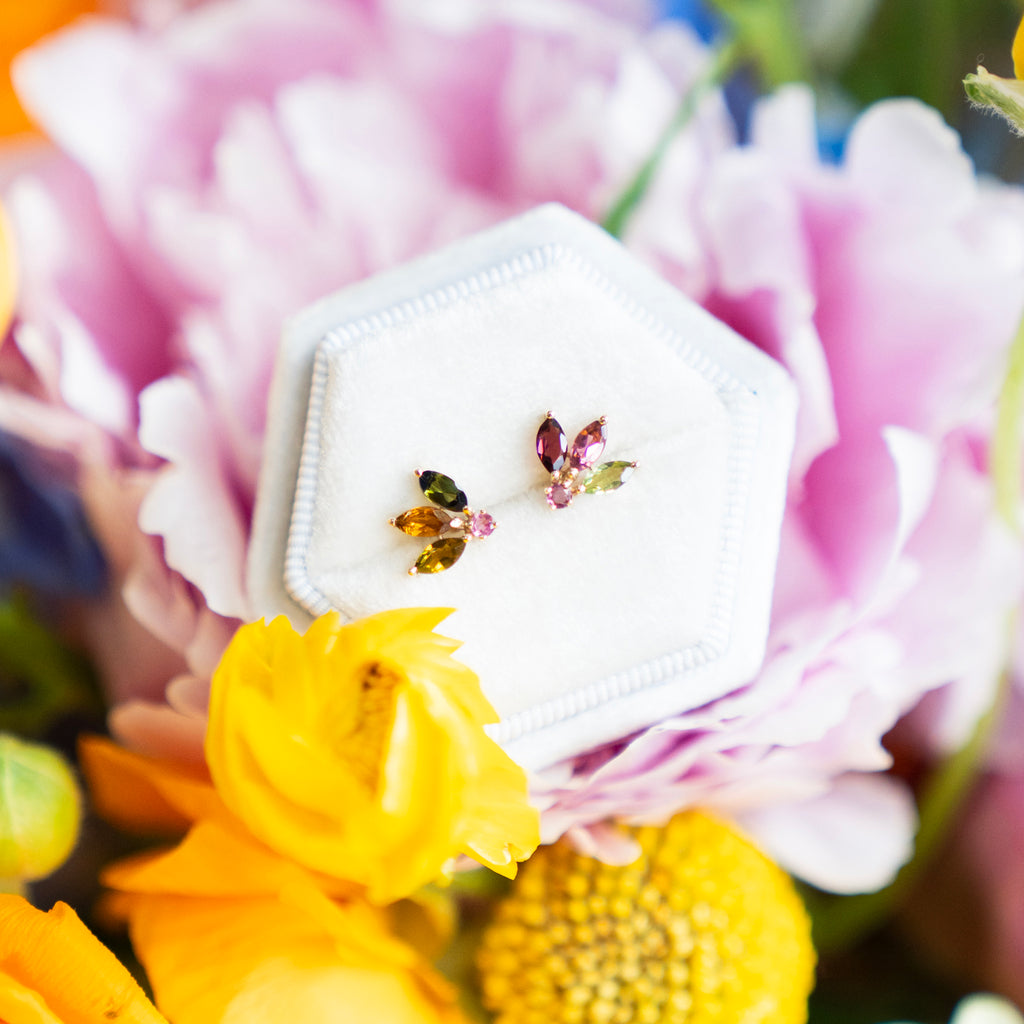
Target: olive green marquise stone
(442, 490)
(607, 477)
(425, 521)
(440, 555)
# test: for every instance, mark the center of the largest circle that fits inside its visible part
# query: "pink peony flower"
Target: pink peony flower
(219, 167)
(890, 287)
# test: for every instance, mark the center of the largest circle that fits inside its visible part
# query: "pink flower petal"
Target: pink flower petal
(852, 839)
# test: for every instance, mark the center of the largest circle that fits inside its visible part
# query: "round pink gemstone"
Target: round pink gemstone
(481, 524)
(559, 496)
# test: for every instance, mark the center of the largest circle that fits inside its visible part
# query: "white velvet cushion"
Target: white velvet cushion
(583, 624)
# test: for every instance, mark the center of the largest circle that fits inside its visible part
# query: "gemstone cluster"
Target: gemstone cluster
(449, 519)
(572, 469)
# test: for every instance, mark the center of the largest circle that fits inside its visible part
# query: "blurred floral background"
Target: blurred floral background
(178, 178)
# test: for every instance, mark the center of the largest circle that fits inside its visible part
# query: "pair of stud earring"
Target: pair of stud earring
(572, 470)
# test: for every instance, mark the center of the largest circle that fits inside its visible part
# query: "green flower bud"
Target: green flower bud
(40, 810)
(1003, 95)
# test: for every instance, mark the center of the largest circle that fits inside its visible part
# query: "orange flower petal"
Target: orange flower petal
(212, 860)
(143, 795)
(262, 961)
(80, 980)
(21, 1005)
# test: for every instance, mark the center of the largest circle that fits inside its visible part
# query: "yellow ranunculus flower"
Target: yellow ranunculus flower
(267, 961)
(230, 931)
(53, 970)
(359, 751)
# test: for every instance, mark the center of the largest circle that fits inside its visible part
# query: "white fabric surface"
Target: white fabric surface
(583, 624)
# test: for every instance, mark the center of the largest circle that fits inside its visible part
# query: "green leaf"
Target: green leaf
(769, 34)
(40, 679)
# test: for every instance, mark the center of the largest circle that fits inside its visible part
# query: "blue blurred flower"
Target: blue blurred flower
(45, 543)
(697, 14)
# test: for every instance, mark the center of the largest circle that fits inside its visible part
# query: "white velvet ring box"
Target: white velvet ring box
(584, 624)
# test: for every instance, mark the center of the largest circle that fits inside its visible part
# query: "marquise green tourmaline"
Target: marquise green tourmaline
(607, 477)
(440, 555)
(443, 491)
(424, 521)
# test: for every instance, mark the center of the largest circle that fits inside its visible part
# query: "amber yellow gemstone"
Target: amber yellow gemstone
(701, 928)
(440, 555)
(424, 521)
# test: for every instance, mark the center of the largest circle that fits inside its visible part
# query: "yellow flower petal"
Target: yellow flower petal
(359, 751)
(1018, 51)
(55, 955)
(264, 961)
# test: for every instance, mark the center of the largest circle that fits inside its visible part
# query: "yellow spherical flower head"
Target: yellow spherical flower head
(700, 928)
(359, 751)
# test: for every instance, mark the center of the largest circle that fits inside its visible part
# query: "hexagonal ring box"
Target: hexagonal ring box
(585, 623)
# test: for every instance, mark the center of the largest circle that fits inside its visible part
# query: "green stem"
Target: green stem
(840, 922)
(722, 63)
(1006, 441)
(770, 33)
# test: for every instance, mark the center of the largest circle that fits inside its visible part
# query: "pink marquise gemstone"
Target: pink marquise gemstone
(588, 446)
(481, 524)
(551, 445)
(559, 496)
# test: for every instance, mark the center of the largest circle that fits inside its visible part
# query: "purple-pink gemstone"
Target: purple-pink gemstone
(559, 496)
(481, 524)
(588, 446)
(551, 444)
